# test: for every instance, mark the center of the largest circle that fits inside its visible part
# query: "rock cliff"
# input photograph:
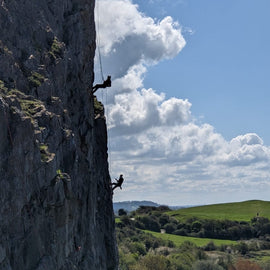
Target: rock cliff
(55, 198)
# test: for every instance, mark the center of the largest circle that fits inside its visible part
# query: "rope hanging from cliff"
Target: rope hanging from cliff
(98, 41)
(102, 76)
(108, 137)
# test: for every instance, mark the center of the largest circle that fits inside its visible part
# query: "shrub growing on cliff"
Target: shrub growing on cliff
(35, 79)
(3, 89)
(56, 48)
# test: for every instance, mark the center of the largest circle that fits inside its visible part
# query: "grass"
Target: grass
(36, 79)
(46, 156)
(3, 89)
(16, 93)
(98, 107)
(241, 211)
(56, 48)
(31, 107)
(199, 242)
(4, 49)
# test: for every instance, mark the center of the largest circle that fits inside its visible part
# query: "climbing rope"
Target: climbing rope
(98, 40)
(102, 76)
(108, 137)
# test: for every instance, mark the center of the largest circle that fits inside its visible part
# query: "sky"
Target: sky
(187, 113)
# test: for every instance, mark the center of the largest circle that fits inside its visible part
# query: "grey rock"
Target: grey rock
(2, 254)
(55, 197)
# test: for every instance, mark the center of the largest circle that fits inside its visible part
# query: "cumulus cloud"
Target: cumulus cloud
(155, 141)
(127, 37)
(246, 150)
(140, 110)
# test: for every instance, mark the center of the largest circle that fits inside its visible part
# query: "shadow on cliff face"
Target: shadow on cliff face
(54, 180)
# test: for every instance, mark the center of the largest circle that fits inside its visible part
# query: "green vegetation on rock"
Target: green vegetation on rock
(3, 89)
(56, 48)
(98, 106)
(4, 49)
(35, 79)
(46, 156)
(31, 107)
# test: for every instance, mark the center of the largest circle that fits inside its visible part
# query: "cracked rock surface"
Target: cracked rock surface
(55, 197)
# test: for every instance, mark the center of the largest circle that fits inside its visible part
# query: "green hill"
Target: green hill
(240, 211)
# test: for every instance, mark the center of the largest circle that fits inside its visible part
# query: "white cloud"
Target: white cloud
(247, 150)
(128, 37)
(156, 142)
(138, 111)
(247, 139)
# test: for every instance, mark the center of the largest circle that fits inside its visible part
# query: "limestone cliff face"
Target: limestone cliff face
(55, 198)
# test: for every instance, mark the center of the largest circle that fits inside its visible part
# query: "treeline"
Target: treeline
(155, 219)
(142, 251)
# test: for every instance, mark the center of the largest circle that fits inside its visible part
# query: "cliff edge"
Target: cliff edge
(56, 204)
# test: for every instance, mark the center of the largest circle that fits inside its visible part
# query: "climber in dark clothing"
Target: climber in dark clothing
(105, 84)
(118, 182)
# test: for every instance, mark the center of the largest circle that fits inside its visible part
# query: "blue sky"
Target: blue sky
(224, 68)
(187, 110)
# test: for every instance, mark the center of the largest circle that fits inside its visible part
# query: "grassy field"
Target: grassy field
(199, 242)
(117, 220)
(242, 211)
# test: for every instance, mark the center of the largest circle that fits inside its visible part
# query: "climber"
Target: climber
(105, 84)
(118, 182)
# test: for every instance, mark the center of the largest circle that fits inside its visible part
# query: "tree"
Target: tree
(122, 212)
(150, 223)
(196, 226)
(170, 227)
(243, 248)
(164, 219)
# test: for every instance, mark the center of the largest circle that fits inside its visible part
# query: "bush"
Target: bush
(154, 262)
(126, 260)
(196, 226)
(122, 212)
(170, 228)
(125, 220)
(138, 248)
(206, 265)
(149, 223)
(145, 209)
(153, 242)
(182, 261)
(182, 232)
(163, 208)
(242, 248)
(139, 225)
(210, 246)
(164, 219)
